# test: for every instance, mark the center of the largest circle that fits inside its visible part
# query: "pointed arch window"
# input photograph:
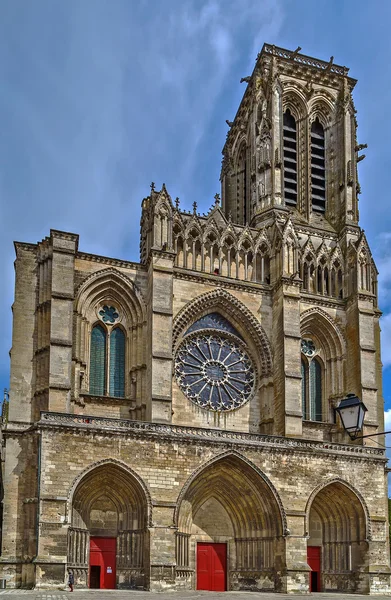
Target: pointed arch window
(107, 361)
(311, 382)
(117, 363)
(290, 158)
(318, 167)
(98, 361)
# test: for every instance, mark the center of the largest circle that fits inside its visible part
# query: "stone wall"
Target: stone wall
(166, 460)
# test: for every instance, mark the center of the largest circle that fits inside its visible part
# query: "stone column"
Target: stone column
(296, 579)
(162, 549)
(286, 342)
(64, 248)
(52, 526)
(23, 333)
(159, 354)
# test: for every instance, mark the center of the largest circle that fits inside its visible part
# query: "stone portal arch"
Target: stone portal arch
(338, 525)
(229, 502)
(236, 312)
(109, 503)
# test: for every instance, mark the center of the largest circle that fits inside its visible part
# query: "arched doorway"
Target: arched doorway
(337, 543)
(230, 528)
(106, 539)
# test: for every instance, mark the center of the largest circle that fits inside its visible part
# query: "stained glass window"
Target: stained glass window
(109, 314)
(315, 390)
(214, 371)
(213, 320)
(311, 383)
(98, 361)
(117, 363)
(304, 389)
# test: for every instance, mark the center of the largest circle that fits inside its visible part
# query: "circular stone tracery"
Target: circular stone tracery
(214, 372)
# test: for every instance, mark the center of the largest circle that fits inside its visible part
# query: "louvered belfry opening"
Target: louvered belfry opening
(318, 167)
(290, 159)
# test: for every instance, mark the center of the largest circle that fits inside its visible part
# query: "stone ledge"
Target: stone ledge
(194, 434)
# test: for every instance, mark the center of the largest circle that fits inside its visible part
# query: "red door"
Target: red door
(313, 560)
(211, 567)
(102, 562)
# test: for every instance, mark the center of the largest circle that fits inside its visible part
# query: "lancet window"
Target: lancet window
(318, 167)
(290, 158)
(311, 382)
(107, 356)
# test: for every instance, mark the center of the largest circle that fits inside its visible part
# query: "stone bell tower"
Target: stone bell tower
(290, 168)
(292, 144)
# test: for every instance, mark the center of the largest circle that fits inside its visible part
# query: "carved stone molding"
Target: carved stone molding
(234, 308)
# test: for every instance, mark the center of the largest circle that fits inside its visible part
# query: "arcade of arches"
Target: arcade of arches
(228, 504)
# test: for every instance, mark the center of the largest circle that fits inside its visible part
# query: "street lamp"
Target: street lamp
(352, 412)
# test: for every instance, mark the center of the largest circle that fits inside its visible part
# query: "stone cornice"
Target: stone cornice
(25, 246)
(220, 281)
(89, 424)
(302, 59)
(115, 262)
(307, 298)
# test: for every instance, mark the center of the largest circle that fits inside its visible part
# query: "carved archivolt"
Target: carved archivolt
(318, 326)
(295, 100)
(238, 463)
(345, 500)
(123, 470)
(233, 310)
(107, 285)
(322, 108)
(316, 321)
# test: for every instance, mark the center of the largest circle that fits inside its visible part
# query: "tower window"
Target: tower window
(318, 167)
(107, 362)
(98, 361)
(311, 383)
(290, 158)
(117, 363)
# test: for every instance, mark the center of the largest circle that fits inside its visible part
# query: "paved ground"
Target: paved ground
(134, 595)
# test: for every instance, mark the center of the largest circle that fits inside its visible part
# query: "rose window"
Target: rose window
(214, 371)
(109, 314)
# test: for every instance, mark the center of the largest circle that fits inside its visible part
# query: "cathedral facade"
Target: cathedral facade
(172, 422)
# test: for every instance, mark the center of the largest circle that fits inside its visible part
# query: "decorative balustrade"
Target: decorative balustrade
(304, 60)
(181, 432)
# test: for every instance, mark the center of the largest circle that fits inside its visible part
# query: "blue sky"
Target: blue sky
(100, 97)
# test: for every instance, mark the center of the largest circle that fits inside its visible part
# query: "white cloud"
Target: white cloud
(99, 98)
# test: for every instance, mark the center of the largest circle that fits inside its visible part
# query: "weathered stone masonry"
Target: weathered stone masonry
(188, 400)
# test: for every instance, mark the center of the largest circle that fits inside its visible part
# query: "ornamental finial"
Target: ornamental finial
(194, 208)
(152, 186)
(177, 203)
(217, 199)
